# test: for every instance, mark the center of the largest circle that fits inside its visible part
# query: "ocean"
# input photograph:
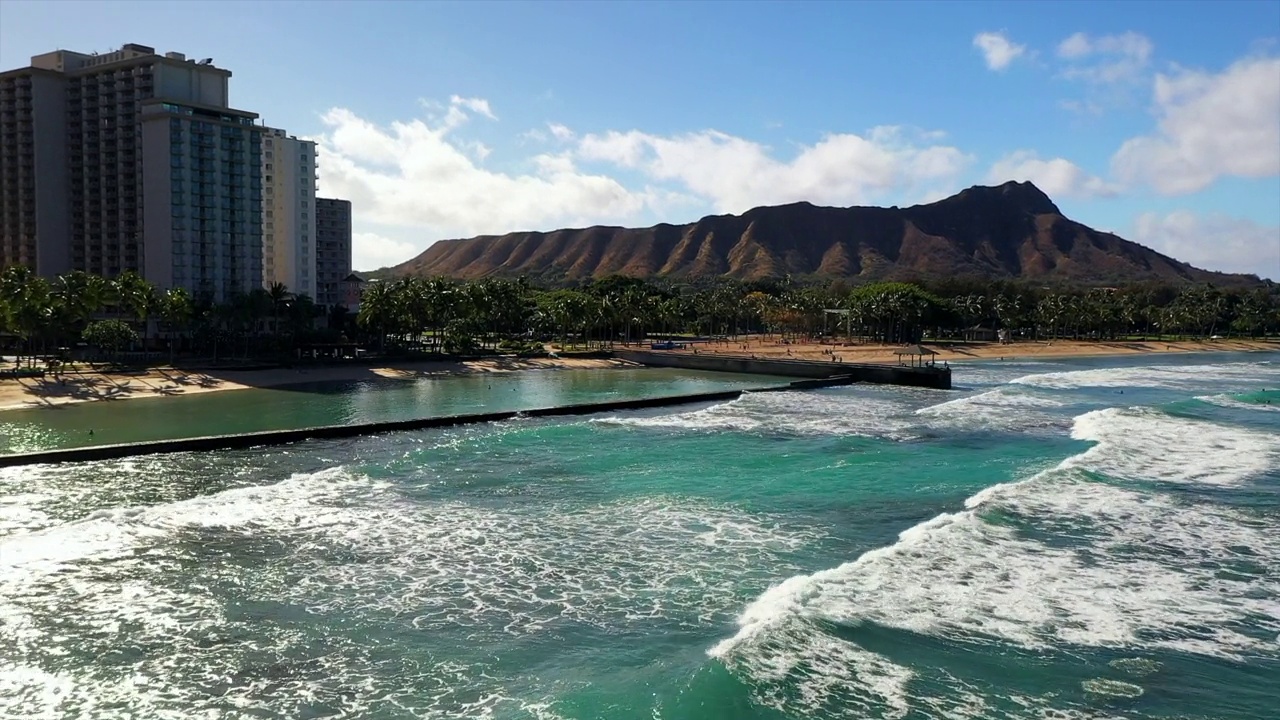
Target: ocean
(1092, 538)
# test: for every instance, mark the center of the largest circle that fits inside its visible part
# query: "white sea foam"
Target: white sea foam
(1147, 444)
(985, 374)
(1106, 687)
(834, 677)
(866, 414)
(1229, 401)
(1057, 560)
(1004, 408)
(1160, 376)
(1150, 576)
(339, 542)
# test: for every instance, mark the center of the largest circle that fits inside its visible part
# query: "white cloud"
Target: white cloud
(555, 131)
(418, 174)
(1057, 177)
(1106, 59)
(1076, 46)
(1210, 126)
(370, 251)
(1214, 242)
(735, 174)
(560, 132)
(475, 105)
(997, 49)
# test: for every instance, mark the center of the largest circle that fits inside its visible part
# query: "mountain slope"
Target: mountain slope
(1010, 231)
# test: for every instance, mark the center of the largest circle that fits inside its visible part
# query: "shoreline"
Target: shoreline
(90, 386)
(1176, 353)
(80, 387)
(970, 352)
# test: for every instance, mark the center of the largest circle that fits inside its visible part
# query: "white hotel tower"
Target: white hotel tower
(289, 212)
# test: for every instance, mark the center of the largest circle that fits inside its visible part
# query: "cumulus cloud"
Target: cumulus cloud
(421, 180)
(479, 106)
(1076, 46)
(1058, 177)
(554, 131)
(370, 251)
(560, 132)
(997, 49)
(1209, 126)
(419, 174)
(1213, 242)
(1106, 59)
(735, 174)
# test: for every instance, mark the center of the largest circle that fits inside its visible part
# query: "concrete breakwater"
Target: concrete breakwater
(283, 437)
(938, 378)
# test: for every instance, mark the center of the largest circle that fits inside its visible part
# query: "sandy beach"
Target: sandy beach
(959, 352)
(89, 386)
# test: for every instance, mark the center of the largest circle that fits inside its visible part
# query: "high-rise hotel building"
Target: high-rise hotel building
(333, 249)
(131, 160)
(289, 212)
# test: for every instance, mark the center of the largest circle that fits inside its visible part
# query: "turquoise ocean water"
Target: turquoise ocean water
(1076, 539)
(339, 403)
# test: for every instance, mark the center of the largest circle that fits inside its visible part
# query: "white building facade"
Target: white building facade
(288, 169)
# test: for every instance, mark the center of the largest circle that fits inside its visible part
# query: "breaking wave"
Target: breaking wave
(1175, 377)
(792, 413)
(1060, 560)
(339, 544)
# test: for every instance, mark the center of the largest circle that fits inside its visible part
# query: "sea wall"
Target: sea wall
(930, 377)
(283, 437)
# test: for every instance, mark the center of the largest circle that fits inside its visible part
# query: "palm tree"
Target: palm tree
(31, 308)
(378, 310)
(177, 308)
(1008, 311)
(139, 297)
(302, 312)
(82, 295)
(279, 295)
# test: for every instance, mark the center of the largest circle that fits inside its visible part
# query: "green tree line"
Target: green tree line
(438, 315)
(39, 316)
(451, 316)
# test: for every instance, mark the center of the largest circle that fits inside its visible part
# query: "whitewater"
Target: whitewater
(1071, 539)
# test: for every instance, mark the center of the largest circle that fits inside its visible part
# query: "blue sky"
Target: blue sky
(1159, 121)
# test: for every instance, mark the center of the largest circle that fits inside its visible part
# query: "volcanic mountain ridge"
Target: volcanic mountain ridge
(1011, 231)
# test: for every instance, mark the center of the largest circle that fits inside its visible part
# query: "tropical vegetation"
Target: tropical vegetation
(415, 315)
